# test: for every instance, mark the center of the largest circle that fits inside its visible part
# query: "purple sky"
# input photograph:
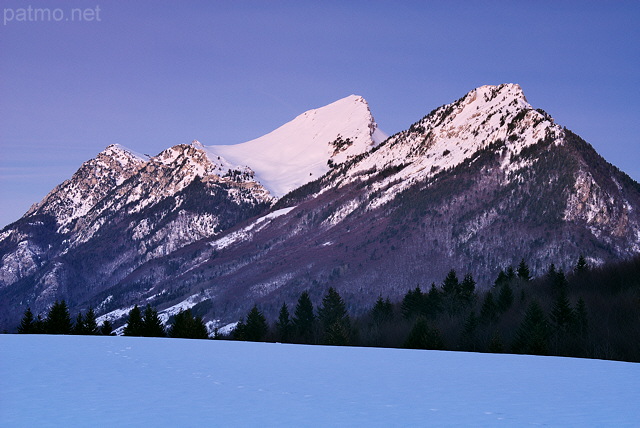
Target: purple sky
(152, 74)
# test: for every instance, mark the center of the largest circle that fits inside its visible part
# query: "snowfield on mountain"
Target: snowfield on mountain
(63, 381)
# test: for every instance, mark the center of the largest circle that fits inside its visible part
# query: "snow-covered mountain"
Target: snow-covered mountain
(324, 200)
(302, 150)
(122, 209)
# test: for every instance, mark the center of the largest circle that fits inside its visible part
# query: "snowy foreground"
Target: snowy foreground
(122, 381)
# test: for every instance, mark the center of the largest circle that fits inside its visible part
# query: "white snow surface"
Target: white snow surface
(298, 151)
(63, 381)
(246, 233)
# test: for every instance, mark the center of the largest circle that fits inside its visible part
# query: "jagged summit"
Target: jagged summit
(453, 133)
(299, 151)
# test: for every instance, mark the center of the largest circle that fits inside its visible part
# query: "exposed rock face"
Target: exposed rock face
(475, 185)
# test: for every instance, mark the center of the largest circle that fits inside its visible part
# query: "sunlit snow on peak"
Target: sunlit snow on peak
(299, 151)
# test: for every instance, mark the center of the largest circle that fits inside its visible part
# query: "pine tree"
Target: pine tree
(199, 329)
(382, 311)
(581, 318)
(284, 325)
(581, 265)
(451, 292)
(412, 303)
(58, 319)
(333, 316)
(511, 274)
(523, 271)
(532, 337)
(135, 326)
(39, 326)
(468, 338)
(422, 336)
(151, 323)
(560, 281)
(303, 318)
(432, 302)
(501, 279)
(90, 323)
(27, 324)
(186, 326)
(467, 290)
(551, 273)
(450, 285)
(505, 297)
(106, 328)
(489, 310)
(255, 329)
(561, 313)
(78, 326)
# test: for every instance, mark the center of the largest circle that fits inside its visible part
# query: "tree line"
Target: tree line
(138, 323)
(585, 312)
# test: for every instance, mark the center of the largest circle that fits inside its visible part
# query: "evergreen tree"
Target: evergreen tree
(450, 285)
(451, 292)
(412, 303)
(422, 336)
(135, 326)
(501, 279)
(433, 302)
(560, 281)
(523, 271)
(199, 329)
(489, 310)
(255, 329)
(186, 326)
(532, 337)
(581, 265)
(337, 334)
(468, 338)
(106, 328)
(90, 323)
(303, 318)
(58, 319)
(28, 323)
(284, 326)
(78, 326)
(382, 311)
(333, 316)
(505, 297)
(467, 290)
(151, 323)
(581, 318)
(561, 313)
(511, 274)
(551, 274)
(39, 326)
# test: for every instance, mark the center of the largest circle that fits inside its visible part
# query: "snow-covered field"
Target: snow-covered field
(121, 381)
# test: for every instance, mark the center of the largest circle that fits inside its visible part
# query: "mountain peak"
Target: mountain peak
(302, 149)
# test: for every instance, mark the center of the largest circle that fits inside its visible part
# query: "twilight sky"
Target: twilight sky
(152, 74)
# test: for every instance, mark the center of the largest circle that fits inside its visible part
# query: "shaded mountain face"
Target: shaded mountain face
(475, 185)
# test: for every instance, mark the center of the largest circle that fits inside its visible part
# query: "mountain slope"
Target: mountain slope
(121, 210)
(475, 185)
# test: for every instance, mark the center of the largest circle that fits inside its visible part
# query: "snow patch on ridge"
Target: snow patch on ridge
(247, 232)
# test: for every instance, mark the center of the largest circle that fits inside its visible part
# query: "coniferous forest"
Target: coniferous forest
(588, 312)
